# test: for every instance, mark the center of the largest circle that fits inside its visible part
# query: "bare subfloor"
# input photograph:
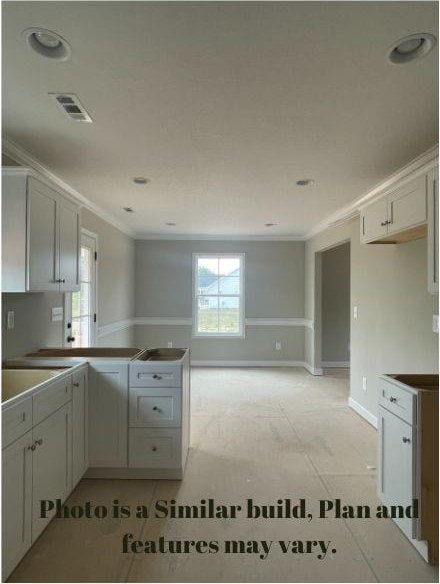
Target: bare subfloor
(265, 434)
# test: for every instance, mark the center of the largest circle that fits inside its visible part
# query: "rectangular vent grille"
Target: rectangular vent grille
(70, 104)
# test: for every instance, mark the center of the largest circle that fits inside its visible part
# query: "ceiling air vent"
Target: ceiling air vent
(71, 105)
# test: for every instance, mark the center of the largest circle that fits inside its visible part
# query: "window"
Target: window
(81, 305)
(218, 309)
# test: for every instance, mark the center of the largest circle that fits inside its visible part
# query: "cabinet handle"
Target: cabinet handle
(32, 447)
(406, 440)
(76, 384)
(154, 448)
(38, 442)
(393, 400)
(155, 376)
(384, 223)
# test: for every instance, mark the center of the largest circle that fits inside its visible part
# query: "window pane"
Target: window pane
(207, 274)
(229, 266)
(81, 332)
(85, 264)
(207, 316)
(76, 299)
(229, 315)
(229, 285)
(85, 298)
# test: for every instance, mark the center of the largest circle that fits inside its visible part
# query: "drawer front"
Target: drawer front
(150, 407)
(398, 401)
(155, 375)
(154, 448)
(16, 421)
(49, 399)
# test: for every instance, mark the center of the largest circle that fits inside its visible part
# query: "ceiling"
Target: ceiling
(223, 106)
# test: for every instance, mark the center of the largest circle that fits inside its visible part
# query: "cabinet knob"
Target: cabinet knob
(155, 409)
(32, 447)
(38, 442)
(76, 384)
(393, 400)
(154, 448)
(406, 440)
(383, 223)
(156, 376)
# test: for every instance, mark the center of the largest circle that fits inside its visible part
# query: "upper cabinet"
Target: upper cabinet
(40, 236)
(400, 215)
(433, 216)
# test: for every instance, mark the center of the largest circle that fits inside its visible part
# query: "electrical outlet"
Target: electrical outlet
(364, 383)
(355, 312)
(435, 323)
(277, 346)
(170, 344)
(10, 320)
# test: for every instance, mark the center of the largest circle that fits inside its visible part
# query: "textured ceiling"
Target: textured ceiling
(223, 106)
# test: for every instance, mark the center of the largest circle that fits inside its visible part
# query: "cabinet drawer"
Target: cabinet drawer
(398, 401)
(150, 407)
(154, 448)
(51, 398)
(16, 421)
(155, 375)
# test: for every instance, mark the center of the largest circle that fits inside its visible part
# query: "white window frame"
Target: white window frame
(68, 298)
(217, 335)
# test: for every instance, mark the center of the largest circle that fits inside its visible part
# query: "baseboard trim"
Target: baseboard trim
(313, 370)
(335, 364)
(236, 363)
(363, 412)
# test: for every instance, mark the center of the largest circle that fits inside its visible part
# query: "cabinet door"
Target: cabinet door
(42, 238)
(80, 428)
(397, 476)
(373, 221)
(433, 231)
(407, 206)
(108, 415)
(51, 464)
(69, 246)
(16, 502)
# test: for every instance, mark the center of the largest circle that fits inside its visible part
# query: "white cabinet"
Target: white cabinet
(433, 217)
(408, 455)
(41, 236)
(51, 464)
(16, 502)
(80, 421)
(399, 215)
(108, 414)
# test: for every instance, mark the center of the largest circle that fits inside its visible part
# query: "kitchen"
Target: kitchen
(183, 349)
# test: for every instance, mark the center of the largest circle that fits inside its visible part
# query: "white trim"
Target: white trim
(313, 370)
(187, 321)
(20, 155)
(414, 168)
(335, 364)
(278, 322)
(236, 363)
(363, 412)
(162, 321)
(211, 237)
(113, 327)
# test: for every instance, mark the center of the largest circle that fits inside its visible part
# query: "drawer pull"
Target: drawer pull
(154, 448)
(393, 400)
(406, 440)
(76, 384)
(156, 376)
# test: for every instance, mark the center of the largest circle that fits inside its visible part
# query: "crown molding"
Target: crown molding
(413, 169)
(210, 237)
(22, 156)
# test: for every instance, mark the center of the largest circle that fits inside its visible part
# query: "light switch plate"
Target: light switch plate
(10, 320)
(170, 344)
(435, 323)
(277, 346)
(57, 313)
(355, 312)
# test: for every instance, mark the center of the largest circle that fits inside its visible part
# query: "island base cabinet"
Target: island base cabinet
(16, 502)
(80, 425)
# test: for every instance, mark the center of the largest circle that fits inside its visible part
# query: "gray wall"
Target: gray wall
(393, 332)
(274, 288)
(336, 304)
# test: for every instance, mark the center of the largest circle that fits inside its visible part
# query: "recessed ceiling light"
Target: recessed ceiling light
(170, 223)
(128, 209)
(140, 180)
(270, 224)
(47, 43)
(305, 182)
(414, 46)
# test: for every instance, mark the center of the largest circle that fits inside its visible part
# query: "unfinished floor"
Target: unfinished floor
(256, 433)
